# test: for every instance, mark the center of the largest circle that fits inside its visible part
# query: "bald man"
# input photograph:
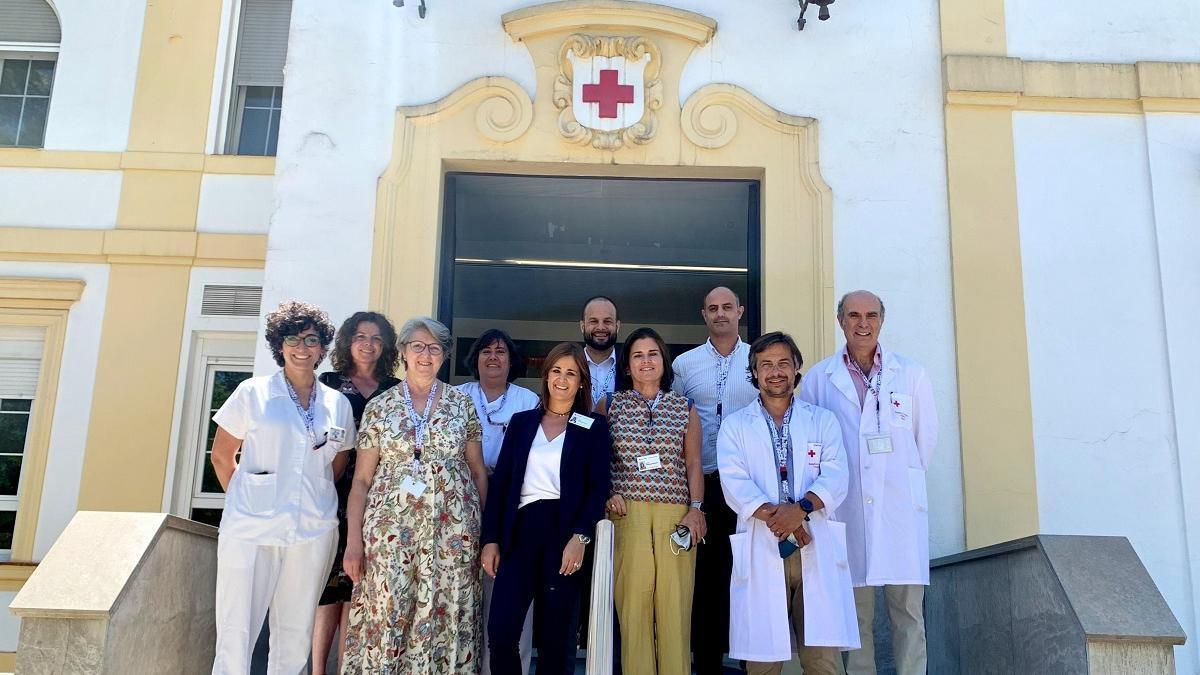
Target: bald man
(884, 403)
(713, 375)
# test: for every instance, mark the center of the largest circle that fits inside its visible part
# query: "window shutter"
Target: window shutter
(20, 360)
(28, 21)
(262, 43)
(227, 300)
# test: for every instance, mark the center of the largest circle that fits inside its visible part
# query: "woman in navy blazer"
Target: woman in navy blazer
(544, 499)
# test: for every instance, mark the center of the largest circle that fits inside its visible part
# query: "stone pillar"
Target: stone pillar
(121, 593)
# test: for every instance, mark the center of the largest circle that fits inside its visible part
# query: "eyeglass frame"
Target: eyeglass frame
(294, 341)
(421, 347)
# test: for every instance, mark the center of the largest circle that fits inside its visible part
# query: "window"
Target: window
(257, 94)
(207, 497)
(656, 246)
(29, 37)
(20, 362)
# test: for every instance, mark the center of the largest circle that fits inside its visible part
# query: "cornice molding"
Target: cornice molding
(621, 16)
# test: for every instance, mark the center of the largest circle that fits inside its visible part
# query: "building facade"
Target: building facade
(1019, 183)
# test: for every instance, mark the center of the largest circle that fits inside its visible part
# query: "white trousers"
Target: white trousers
(285, 579)
(526, 632)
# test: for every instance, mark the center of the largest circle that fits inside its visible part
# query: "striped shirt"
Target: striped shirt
(697, 376)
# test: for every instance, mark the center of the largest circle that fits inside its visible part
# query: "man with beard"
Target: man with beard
(600, 326)
(884, 403)
(711, 375)
(783, 470)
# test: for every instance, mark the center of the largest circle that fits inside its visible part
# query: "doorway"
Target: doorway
(522, 253)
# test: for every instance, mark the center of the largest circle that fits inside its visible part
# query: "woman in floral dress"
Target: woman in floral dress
(413, 515)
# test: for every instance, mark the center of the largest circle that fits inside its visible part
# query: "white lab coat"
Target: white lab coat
(886, 509)
(759, 629)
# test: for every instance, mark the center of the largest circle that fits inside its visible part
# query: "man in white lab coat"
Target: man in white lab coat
(884, 403)
(783, 472)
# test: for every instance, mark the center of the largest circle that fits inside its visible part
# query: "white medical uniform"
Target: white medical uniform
(759, 629)
(279, 527)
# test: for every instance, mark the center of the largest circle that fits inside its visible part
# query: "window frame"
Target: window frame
(238, 110)
(211, 351)
(225, 129)
(32, 52)
(13, 502)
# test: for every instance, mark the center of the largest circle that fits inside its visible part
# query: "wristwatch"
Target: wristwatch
(583, 539)
(806, 504)
(699, 506)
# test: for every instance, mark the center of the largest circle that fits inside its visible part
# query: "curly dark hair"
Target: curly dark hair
(625, 377)
(290, 318)
(516, 364)
(389, 357)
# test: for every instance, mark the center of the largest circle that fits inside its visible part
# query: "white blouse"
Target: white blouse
(494, 417)
(542, 469)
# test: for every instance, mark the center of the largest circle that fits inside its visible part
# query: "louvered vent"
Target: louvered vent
(225, 300)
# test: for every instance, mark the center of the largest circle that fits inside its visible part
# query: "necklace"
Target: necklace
(555, 412)
(488, 412)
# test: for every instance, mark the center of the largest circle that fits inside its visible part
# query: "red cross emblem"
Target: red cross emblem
(896, 403)
(608, 93)
(812, 453)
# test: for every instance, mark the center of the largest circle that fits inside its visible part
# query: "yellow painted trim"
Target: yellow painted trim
(27, 158)
(492, 125)
(43, 303)
(175, 76)
(607, 15)
(13, 576)
(973, 27)
(983, 87)
(148, 247)
(244, 165)
(129, 433)
(1046, 86)
(8, 661)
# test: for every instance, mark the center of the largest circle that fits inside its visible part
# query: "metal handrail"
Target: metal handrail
(600, 625)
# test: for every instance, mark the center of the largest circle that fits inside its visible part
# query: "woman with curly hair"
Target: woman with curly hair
(364, 366)
(279, 526)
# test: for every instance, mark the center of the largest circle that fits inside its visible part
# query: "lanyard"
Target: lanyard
(873, 389)
(306, 416)
(605, 386)
(488, 412)
(420, 422)
(781, 439)
(650, 405)
(723, 365)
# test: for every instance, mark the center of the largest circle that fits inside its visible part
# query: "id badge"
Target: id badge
(649, 462)
(879, 444)
(337, 435)
(413, 487)
(813, 454)
(581, 420)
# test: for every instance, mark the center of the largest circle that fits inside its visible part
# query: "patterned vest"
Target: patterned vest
(634, 435)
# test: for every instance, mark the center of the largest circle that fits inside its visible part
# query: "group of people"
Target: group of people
(442, 529)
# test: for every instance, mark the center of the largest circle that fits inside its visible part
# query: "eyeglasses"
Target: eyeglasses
(308, 340)
(363, 337)
(421, 347)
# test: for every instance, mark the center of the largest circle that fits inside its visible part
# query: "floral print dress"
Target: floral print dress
(416, 608)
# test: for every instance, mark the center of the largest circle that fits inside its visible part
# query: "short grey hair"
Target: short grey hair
(436, 328)
(842, 302)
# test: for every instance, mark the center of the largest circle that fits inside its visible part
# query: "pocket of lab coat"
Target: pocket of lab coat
(259, 489)
(916, 483)
(740, 545)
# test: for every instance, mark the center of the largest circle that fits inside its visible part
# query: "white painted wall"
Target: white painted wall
(235, 204)
(63, 198)
(72, 409)
(10, 625)
(94, 80)
(1104, 436)
(1109, 31)
(1173, 142)
(881, 148)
